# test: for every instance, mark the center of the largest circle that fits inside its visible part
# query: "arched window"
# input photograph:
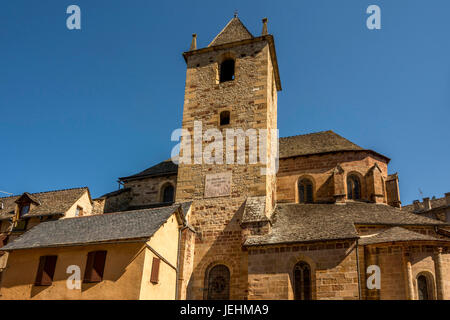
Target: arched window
(224, 118)
(302, 281)
(168, 193)
(424, 287)
(227, 70)
(353, 188)
(305, 191)
(218, 283)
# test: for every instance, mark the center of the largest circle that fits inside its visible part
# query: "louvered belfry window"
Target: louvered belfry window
(95, 266)
(46, 270)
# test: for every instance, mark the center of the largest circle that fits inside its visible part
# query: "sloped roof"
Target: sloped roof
(302, 223)
(50, 202)
(397, 234)
(166, 167)
(233, 31)
(254, 210)
(28, 196)
(313, 143)
(435, 203)
(127, 225)
(320, 222)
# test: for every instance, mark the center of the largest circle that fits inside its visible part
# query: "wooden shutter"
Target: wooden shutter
(89, 265)
(155, 270)
(40, 271)
(46, 270)
(95, 266)
(99, 265)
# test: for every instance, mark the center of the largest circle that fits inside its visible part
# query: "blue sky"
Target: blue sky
(83, 107)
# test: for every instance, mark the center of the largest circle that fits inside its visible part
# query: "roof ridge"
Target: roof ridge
(311, 133)
(134, 211)
(42, 192)
(113, 213)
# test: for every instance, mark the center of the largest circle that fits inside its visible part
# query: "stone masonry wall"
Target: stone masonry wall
(333, 268)
(217, 220)
(148, 190)
(319, 169)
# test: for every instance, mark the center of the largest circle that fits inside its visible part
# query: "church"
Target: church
(327, 224)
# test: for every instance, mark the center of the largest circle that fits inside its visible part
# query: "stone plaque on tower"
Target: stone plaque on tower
(218, 185)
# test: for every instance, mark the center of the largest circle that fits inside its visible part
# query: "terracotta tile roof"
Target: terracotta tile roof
(320, 222)
(166, 167)
(397, 234)
(233, 31)
(50, 202)
(128, 225)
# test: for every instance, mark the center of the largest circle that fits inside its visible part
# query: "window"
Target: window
(24, 209)
(425, 287)
(79, 212)
(302, 281)
(168, 193)
(353, 188)
(95, 266)
(224, 118)
(305, 191)
(46, 270)
(218, 283)
(227, 70)
(154, 278)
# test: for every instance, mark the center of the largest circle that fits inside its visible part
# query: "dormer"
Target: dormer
(24, 204)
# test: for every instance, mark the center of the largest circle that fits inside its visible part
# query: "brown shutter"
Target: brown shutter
(46, 270)
(49, 270)
(95, 266)
(99, 265)
(155, 270)
(89, 265)
(40, 271)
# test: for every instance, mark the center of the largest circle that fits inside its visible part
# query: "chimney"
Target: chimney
(264, 30)
(427, 204)
(416, 205)
(194, 42)
(447, 198)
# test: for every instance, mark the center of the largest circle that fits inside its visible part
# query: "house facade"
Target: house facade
(128, 256)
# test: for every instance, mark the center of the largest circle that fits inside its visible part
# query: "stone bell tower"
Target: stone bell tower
(230, 84)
